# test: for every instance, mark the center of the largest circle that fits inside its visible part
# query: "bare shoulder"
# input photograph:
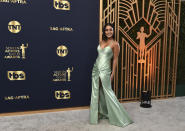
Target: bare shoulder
(116, 44)
(101, 42)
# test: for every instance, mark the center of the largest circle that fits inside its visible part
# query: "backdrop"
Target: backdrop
(148, 33)
(48, 48)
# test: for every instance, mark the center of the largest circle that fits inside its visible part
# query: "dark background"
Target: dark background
(41, 59)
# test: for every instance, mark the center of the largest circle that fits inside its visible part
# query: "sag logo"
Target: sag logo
(63, 75)
(62, 51)
(14, 26)
(64, 94)
(16, 52)
(16, 75)
(61, 4)
(23, 47)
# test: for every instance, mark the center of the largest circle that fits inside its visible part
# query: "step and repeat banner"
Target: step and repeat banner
(47, 51)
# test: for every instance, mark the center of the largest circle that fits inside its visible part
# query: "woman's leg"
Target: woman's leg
(102, 103)
(94, 97)
(116, 113)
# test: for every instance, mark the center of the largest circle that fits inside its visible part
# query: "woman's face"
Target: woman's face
(142, 29)
(109, 31)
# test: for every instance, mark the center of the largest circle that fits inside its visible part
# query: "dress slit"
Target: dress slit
(102, 103)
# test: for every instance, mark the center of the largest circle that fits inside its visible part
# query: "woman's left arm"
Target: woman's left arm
(116, 50)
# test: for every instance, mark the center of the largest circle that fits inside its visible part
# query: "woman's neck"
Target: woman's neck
(109, 39)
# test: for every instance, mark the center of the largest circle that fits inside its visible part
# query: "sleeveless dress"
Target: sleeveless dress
(104, 104)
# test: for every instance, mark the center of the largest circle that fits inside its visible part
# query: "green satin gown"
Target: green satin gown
(104, 104)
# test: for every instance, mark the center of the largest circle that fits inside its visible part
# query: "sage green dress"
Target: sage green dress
(104, 104)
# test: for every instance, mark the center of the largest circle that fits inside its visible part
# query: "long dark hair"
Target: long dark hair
(104, 37)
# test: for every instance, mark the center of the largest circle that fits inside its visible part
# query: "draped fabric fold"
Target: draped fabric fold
(104, 104)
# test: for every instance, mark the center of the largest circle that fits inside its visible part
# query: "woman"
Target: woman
(104, 103)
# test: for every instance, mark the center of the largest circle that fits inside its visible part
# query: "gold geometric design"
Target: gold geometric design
(148, 34)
